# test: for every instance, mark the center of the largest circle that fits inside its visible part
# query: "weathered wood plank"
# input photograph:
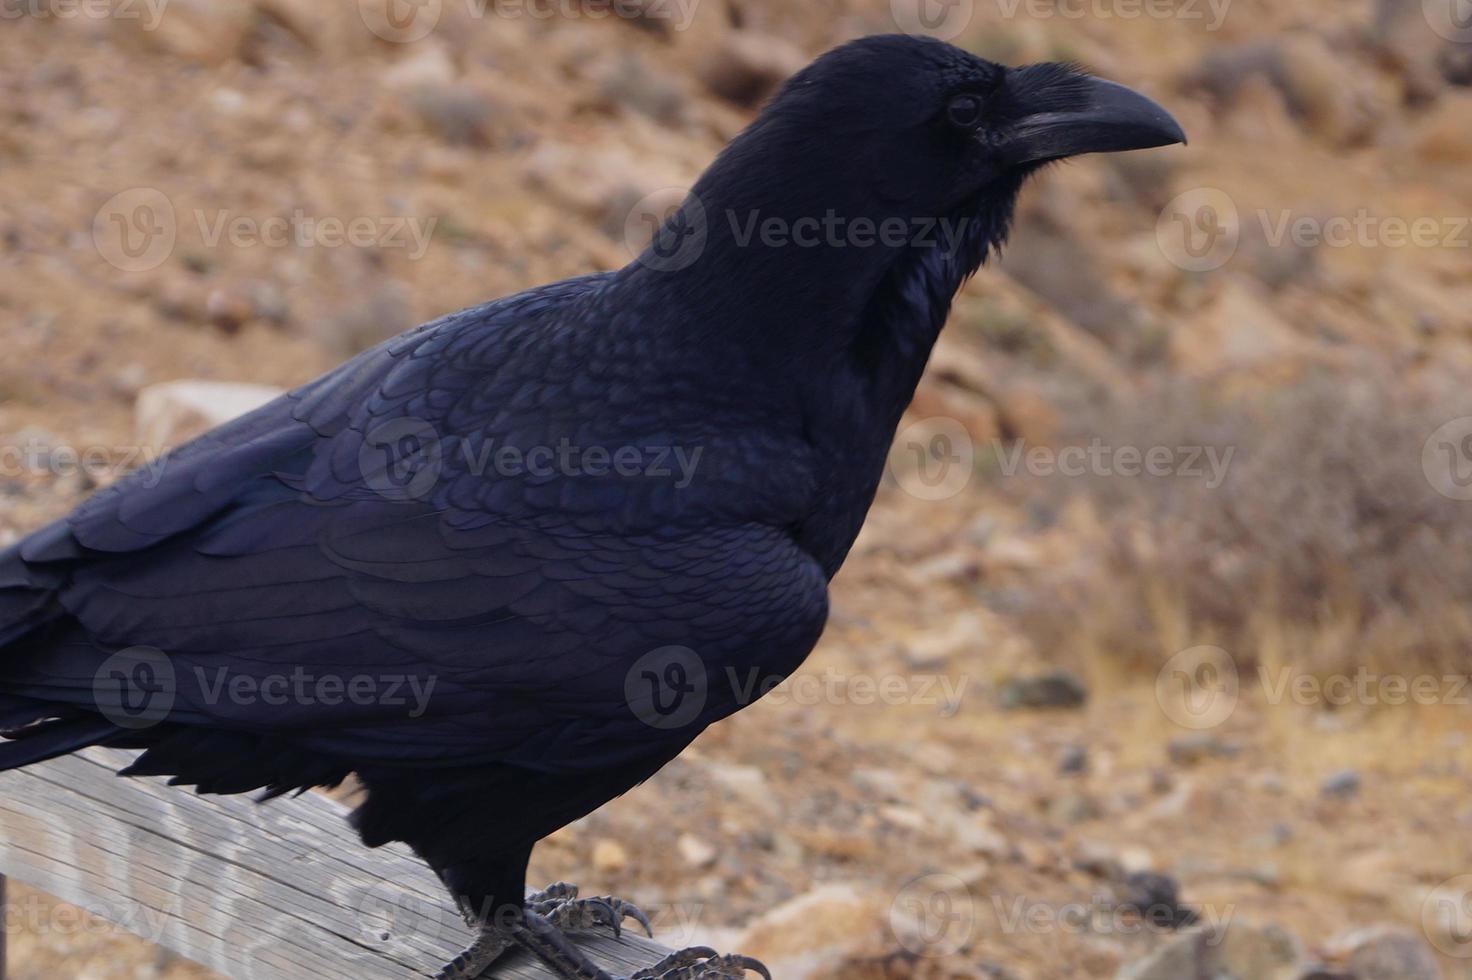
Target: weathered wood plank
(278, 891)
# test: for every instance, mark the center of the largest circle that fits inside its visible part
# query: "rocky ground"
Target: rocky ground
(1074, 716)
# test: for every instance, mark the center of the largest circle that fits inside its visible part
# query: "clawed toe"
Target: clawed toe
(558, 891)
(582, 914)
(702, 963)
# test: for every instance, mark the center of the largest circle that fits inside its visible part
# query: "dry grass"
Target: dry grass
(1324, 546)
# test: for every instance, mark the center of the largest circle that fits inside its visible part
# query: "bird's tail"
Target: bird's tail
(34, 732)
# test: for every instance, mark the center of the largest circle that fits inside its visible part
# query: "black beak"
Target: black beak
(1091, 116)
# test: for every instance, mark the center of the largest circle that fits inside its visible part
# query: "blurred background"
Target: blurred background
(1152, 659)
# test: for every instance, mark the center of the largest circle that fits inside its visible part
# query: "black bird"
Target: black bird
(507, 565)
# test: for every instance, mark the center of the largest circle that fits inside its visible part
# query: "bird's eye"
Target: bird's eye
(964, 111)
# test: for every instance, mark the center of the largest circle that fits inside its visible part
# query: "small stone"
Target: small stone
(1187, 750)
(1342, 785)
(174, 412)
(1072, 808)
(228, 309)
(696, 852)
(1385, 952)
(1054, 689)
(905, 817)
(819, 934)
(1238, 952)
(1074, 761)
(1155, 898)
(609, 856)
(748, 67)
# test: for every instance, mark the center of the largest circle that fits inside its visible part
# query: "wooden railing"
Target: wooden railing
(274, 891)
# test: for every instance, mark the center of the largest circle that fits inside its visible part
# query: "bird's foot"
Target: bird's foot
(561, 906)
(702, 963)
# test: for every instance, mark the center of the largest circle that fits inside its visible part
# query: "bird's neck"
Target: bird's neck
(799, 291)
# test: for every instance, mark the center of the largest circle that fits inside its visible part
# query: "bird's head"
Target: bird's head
(893, 162)
(912, 119)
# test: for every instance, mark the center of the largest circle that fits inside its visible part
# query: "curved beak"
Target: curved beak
(1087, 115)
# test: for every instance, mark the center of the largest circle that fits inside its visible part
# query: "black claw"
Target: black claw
(637, 914)
(755, 966)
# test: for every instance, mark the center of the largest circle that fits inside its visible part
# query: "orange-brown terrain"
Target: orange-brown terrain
(1173, 571)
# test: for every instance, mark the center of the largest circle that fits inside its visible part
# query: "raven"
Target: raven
(483, 510)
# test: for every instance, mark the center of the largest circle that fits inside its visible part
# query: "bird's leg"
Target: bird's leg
(475, 958)
(542, 936)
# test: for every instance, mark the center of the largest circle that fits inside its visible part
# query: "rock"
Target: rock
(202, 31)
(1187, 750)
(174, 412)
(459, 114)
(1055, 689)
(1074, 761)
(1236, 952)
(816, 935)
(1155, 898)
(904, 817)
(430, 66)
(1384, 952)
(609, 856)
(228, 308)
(747, 783)
(696, 852)
(746, 67)
(630, 82)
(1072, 808)
(1341, 786)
